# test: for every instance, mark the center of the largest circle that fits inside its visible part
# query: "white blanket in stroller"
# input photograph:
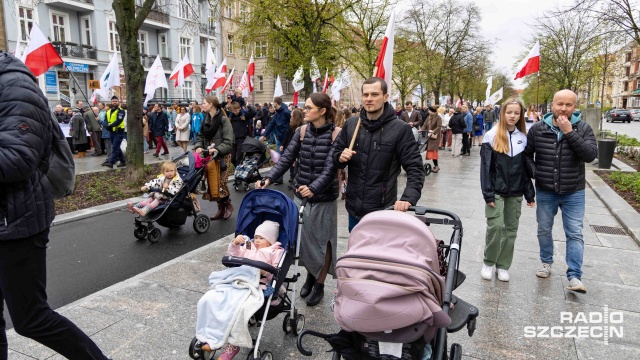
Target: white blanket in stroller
(225, 310)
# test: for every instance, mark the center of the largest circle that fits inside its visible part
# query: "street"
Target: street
(630, 129)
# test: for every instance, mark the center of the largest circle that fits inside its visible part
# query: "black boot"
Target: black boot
(317, 294)
(308, 285)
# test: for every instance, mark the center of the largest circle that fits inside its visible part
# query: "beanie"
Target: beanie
(268, 230)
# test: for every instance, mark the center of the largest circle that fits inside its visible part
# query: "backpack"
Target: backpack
(59, 168)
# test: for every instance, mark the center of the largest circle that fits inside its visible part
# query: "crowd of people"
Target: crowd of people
(325, 146)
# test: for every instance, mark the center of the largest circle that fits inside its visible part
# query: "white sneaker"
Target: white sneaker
(503, 275)
(544, 271)
(487, 272)
(576, 285)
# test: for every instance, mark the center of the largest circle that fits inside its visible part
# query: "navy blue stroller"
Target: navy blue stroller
(174, 212)
(256, 207)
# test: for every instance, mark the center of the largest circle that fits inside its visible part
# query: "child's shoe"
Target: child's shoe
(143, 212)
(229, 352)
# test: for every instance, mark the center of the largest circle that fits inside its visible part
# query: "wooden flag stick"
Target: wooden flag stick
(355, 132)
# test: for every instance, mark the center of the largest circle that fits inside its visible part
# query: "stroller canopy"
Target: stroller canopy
(263, 204)
(252, 145)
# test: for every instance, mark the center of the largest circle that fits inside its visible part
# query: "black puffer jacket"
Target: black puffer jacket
(457, 123)
(26, 203)
(316, 169)
(383, 145)
(558, 165)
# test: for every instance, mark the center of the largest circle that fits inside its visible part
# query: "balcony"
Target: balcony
(207, 30)
(147, 61)
(156, 19)
(76, 5)
(67, 49)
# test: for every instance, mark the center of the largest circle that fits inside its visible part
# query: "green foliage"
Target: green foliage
(627, 182)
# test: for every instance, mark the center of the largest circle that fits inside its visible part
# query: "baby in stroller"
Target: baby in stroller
(255, 154)
(265, 248)
(166, 186)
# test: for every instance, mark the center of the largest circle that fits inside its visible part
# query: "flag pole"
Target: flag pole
(77, 83)
(538, 91)
(355, 132)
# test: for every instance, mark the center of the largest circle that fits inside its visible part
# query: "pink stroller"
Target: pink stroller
(395, 285)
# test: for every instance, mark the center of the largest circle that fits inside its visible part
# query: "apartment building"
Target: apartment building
(626, 82)
(84, 34)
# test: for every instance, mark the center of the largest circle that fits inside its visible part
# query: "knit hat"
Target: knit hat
(114, 98)
(268, 230)
(433, 108)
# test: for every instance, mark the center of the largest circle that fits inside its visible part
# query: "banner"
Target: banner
(495, 97)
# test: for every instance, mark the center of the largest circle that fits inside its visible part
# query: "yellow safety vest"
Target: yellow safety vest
(112, 117)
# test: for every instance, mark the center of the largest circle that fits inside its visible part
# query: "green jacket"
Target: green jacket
(223, 137)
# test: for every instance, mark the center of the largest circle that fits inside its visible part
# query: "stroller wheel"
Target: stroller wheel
(250, 355)
(194, 349)
(246, 187)
(201, 224)
(266, 356)
(287, 327)
(427, 169)
(299, 326)
(154, 235)
(456, 352)
(236, 187)
(336, 356)
(140, 232)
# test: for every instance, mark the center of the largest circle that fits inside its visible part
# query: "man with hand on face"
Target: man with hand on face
(557, 149)
(382, 145)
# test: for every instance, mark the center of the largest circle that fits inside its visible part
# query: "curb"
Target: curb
(107, 208)
(623, 212)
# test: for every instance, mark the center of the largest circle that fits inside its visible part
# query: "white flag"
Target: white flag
(495, 97)
(298, 79)
(342, 81)
(229, 80)
(110, 77)
(211, 58)
(18, 53)
(489, 85)
(244, 84)
(278, 90)
(314, 71)
(156, 78)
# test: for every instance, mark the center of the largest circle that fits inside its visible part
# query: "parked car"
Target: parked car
(635, 114)
(618, 115)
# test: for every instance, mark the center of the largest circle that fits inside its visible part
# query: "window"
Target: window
(628, 57)
(85, 23)
(26, 22)
(229, 9)
(187, 90)
(230, 43)
(244, 13)
(183, 8)
(261, 49)
(185, 48)
(114, 39)
(625, 86)
(139, 3)
(58, 27)
(143, 37)
(286, 86)
(163, 45)
(260, 83)
(627, 71)
(245, 50)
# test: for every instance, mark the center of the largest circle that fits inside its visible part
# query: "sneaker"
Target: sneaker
(503, 275)
(229, 352)
(544, 271)
(487, 272)
(121, 165)
(155, 155)
(576, 285)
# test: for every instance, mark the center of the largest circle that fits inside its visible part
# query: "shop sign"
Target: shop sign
(51, 81)
(78, 68)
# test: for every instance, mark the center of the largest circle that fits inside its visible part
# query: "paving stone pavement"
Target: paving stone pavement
(153, 315)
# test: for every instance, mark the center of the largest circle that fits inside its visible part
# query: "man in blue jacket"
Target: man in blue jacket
(278, 126)
(26, 213)
(466, 135)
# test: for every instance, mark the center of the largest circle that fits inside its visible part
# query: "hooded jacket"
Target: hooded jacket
(556, 161)
(26, 202)
(382, 146)
(504, 174)
(279, 123)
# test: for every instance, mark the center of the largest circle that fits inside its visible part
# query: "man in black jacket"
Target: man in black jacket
(26, 213)
(557, 149)
(383, 144)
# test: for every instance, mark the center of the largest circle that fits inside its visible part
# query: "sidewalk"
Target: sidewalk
(153, 315)
(90, 163)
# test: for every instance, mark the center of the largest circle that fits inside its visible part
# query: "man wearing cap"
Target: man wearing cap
(115, 125)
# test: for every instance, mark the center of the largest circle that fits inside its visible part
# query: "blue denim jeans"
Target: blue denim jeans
(572, 207)
(487, 127)
(353, 221)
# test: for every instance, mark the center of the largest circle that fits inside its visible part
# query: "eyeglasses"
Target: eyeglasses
(309, 108)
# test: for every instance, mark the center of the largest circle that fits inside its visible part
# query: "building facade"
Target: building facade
(626, 82)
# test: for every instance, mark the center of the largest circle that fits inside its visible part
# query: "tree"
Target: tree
(296, 31)
(405, 67)
(128, 23)
(619, 17)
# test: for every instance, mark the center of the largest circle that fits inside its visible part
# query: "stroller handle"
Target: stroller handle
(304, 351)
(423, 210)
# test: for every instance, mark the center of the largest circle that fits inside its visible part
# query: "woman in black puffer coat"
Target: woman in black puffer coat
(316, 180)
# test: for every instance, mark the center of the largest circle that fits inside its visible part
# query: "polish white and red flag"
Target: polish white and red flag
(183, 70)
(218, 78)
(40, 54)
(251, 70)
(244, 84)
(531, 63)
(325, 83)
(224, 88)
(384, 62)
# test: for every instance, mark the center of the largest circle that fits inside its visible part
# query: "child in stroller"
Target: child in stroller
(255, 154)
(265, 248)
(259, 212)
(168, 184)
